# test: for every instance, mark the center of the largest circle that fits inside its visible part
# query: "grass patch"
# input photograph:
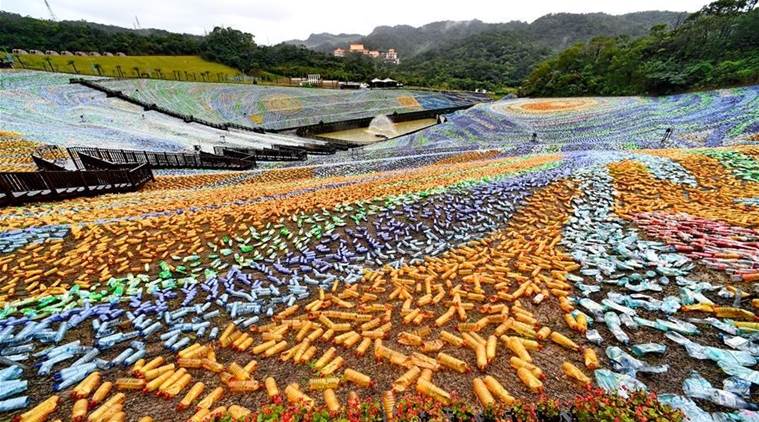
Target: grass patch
(163, 67)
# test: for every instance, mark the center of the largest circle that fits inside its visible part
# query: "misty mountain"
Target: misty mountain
(326, 42)
(555, 31)
(504, 54)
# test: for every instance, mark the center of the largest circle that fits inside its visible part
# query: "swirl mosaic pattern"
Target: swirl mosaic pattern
(489, 276)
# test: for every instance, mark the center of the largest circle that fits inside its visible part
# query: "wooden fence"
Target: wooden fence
(295, 154)
(161, 160)
(18, 188)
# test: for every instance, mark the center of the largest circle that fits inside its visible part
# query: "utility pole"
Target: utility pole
(50, 9)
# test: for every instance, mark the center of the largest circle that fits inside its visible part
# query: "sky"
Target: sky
(280, 20)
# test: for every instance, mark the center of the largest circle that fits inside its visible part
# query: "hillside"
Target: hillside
(716, 47)
(228, 46)
(17, 31)
(162, 67)
(555, 31)
(487, 60)
(410, 41)
(505, 54)
(326, 42)
(561, 30)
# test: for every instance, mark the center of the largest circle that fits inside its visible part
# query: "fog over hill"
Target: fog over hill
(555, 31)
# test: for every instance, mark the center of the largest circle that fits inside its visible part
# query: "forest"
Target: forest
(716, 47)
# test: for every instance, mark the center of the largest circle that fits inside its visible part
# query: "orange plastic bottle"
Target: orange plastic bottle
(246, 386)
(482, 393)
(357, 378)
(79, 411)
(330, 399)
(101, 393)
(211, 398)
(191, 395)
(271, 387)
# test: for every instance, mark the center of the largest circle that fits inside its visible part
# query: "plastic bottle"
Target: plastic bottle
(402, 383)
(530, 380)
(238, 372)
(11, 388)
(211, 398)
(172, 379)
(190, 363)
(590, 358)
(11, 372)
(330, 399)
(563, 341)
(294, 395)
(452, 363)
(130, 384)
(429, 389)
(246, 386)
(157, 372)
(575, 373)
(79, 411)
(238, 413)
(323, 383)
(482, 393)
(739, 371)
(517, 347)
(107, 409)
(42, 410)
(620, 383)
(15, 403)
(594, 337)
(498, 391)
(357, 378)
(613, 322)
(388, 405)
(174, 389)
(101, 393)
(200, 415)
(191, 395)
(728, 399)
(517, 363)
(734, 313)
(271, 387)
(640, 350)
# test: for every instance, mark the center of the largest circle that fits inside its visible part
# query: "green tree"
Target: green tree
(717, 46)
(231, 47)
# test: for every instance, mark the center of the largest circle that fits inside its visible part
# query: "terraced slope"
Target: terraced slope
(45, 108)
(279, 108)
(711, 118)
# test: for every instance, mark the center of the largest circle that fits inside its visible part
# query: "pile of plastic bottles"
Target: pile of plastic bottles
(483, 274)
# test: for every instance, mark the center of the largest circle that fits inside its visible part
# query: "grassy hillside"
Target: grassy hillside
(170, 67)
(713, 48)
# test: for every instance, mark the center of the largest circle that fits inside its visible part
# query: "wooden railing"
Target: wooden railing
(159, 160)
(19, 188)
(262, 154)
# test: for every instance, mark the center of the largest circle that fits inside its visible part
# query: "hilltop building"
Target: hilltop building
(390, 56)
(358, 48)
